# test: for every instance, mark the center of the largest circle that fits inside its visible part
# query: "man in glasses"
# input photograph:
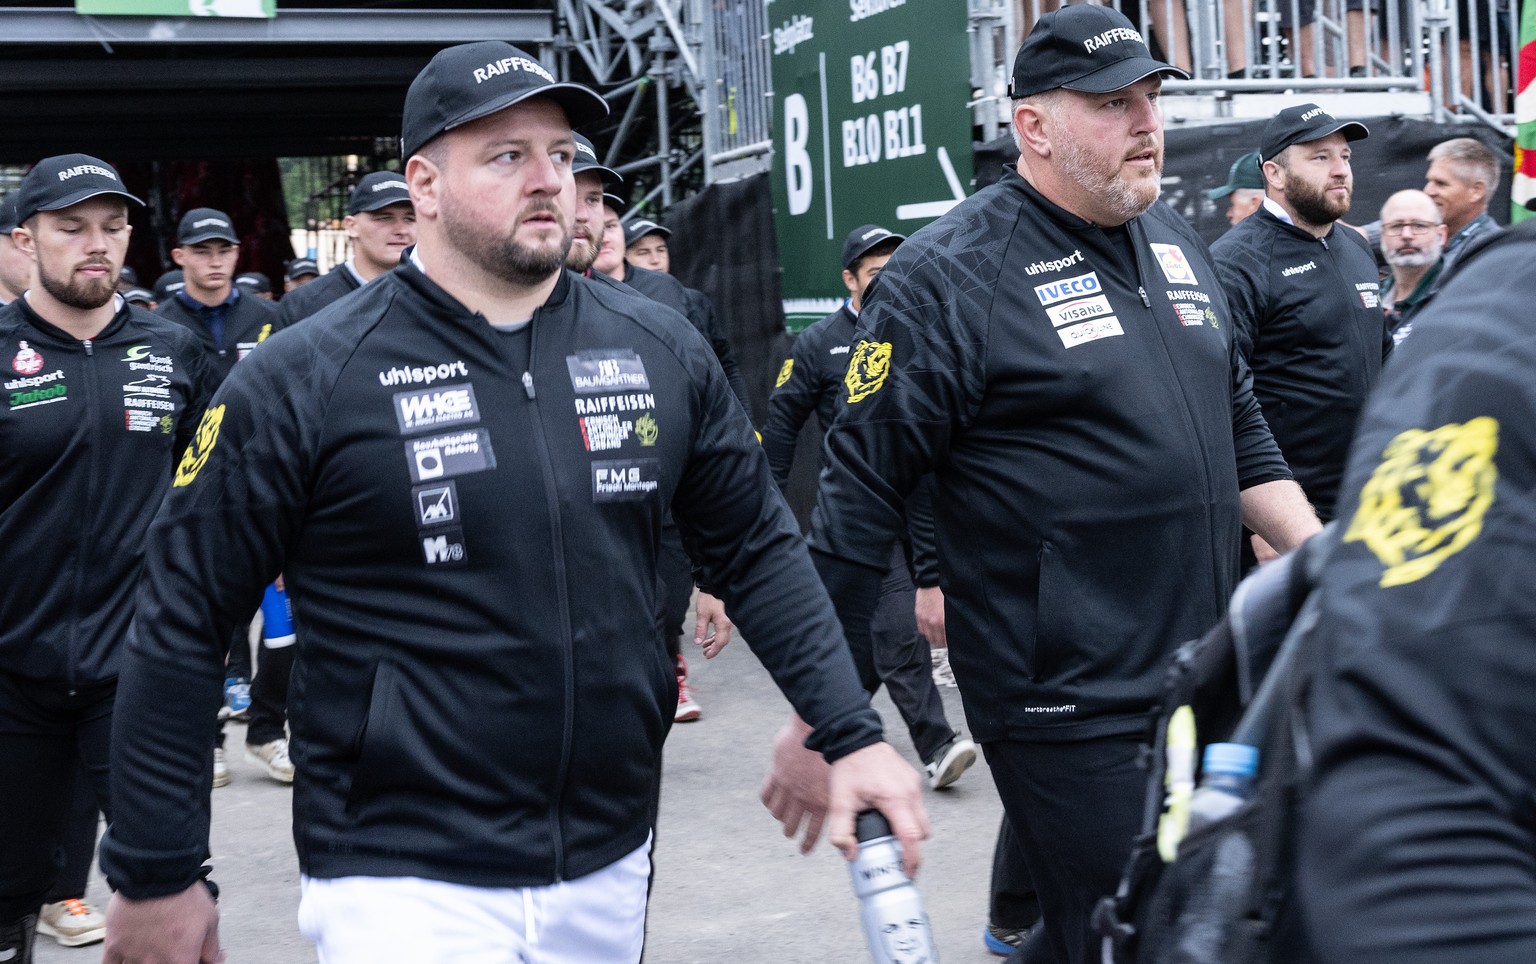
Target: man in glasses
(1305, 297)
(1413, 242)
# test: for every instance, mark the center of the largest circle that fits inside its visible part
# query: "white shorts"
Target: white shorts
(373, 920)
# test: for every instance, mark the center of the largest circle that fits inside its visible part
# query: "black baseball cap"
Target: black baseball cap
(128, 276)
(205, 224)
(66, 180)
(1084, 47)
(255, 281)
(614, 201)
(8, 213)
(640, 227)
(1244, 175)
(586, 160)
(470, 81)
(1303, 123)
(864, 237)
(378, 190)
(168, 284)
(299, 267)
(138, 296)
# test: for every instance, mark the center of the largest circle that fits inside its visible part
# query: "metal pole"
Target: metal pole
(663, 133)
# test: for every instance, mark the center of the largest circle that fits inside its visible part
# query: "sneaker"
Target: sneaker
(953, 759)
(237, 699)
(72, 923)
(1002, 941)
(273, 756)
(942, 674)
(688, 708)
(220, 768)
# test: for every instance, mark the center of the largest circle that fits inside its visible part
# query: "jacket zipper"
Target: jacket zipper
(1348, 286)
(92, 430)
(1138, 239)
(562, 597)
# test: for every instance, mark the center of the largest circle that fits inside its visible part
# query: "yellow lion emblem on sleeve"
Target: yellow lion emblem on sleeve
(1426, 500)
(784, 372)
(868, 367)
(197, 453)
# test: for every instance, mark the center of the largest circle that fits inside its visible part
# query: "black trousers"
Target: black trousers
(47, 735)
(77, 845)
(269, 695)
(1074, 808)
(903, 664)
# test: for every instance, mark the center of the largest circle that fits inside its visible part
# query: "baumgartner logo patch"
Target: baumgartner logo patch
(1170, 257)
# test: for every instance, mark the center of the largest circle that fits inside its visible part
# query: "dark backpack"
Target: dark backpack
(1226, 898)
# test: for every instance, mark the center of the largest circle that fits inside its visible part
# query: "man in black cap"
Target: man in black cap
(381, 224)
(101, 399)
(229, 324)
(255, 284)
(301, 271)
(1056, 352)
(1305, 297)
(645, 245)
(811, 381)
(1244, 188)
(461, 471)
(168, 284)
(15, 266)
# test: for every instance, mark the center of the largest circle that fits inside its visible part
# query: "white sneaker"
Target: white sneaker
(953, 759)
(72, 923)
(273, 756)
(220, 768)
(942, 674)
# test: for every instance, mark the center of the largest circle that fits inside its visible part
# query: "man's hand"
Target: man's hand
(930, 615)
(877, 778)
(797, 788)
(178, 929)
(711, 612)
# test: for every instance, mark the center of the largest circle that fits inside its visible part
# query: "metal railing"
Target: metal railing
(736, 89)
(1462, 52)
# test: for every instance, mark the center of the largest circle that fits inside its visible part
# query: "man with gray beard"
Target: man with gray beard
(1306, 299)
(1057, 353)
(1413, 242)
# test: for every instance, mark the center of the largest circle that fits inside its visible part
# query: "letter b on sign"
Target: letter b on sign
(797, 160)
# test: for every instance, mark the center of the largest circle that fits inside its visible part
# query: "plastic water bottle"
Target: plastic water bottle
(1230, 769)
(277, 619)
(895, 924)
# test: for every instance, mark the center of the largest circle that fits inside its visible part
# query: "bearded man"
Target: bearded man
(1413, 239)
(1057, 353)
(1306, 298)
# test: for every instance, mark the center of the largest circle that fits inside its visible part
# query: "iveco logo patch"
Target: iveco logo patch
(1078, 287)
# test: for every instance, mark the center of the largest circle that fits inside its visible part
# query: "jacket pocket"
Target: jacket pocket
(1051, 614)
(373, 744)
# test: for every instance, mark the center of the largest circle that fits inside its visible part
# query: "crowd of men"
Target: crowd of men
(1056, 429)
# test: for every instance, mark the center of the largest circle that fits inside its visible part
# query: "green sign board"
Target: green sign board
(177, 8)
(870, 127)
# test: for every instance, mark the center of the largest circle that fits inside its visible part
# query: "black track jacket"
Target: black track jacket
(469, 539)
(248, 321)
(1089, 423)
(305, 300)
(89, 435)
(1309, 323)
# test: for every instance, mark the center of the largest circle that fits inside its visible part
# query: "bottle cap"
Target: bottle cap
(1236, 759)
(871, 824)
